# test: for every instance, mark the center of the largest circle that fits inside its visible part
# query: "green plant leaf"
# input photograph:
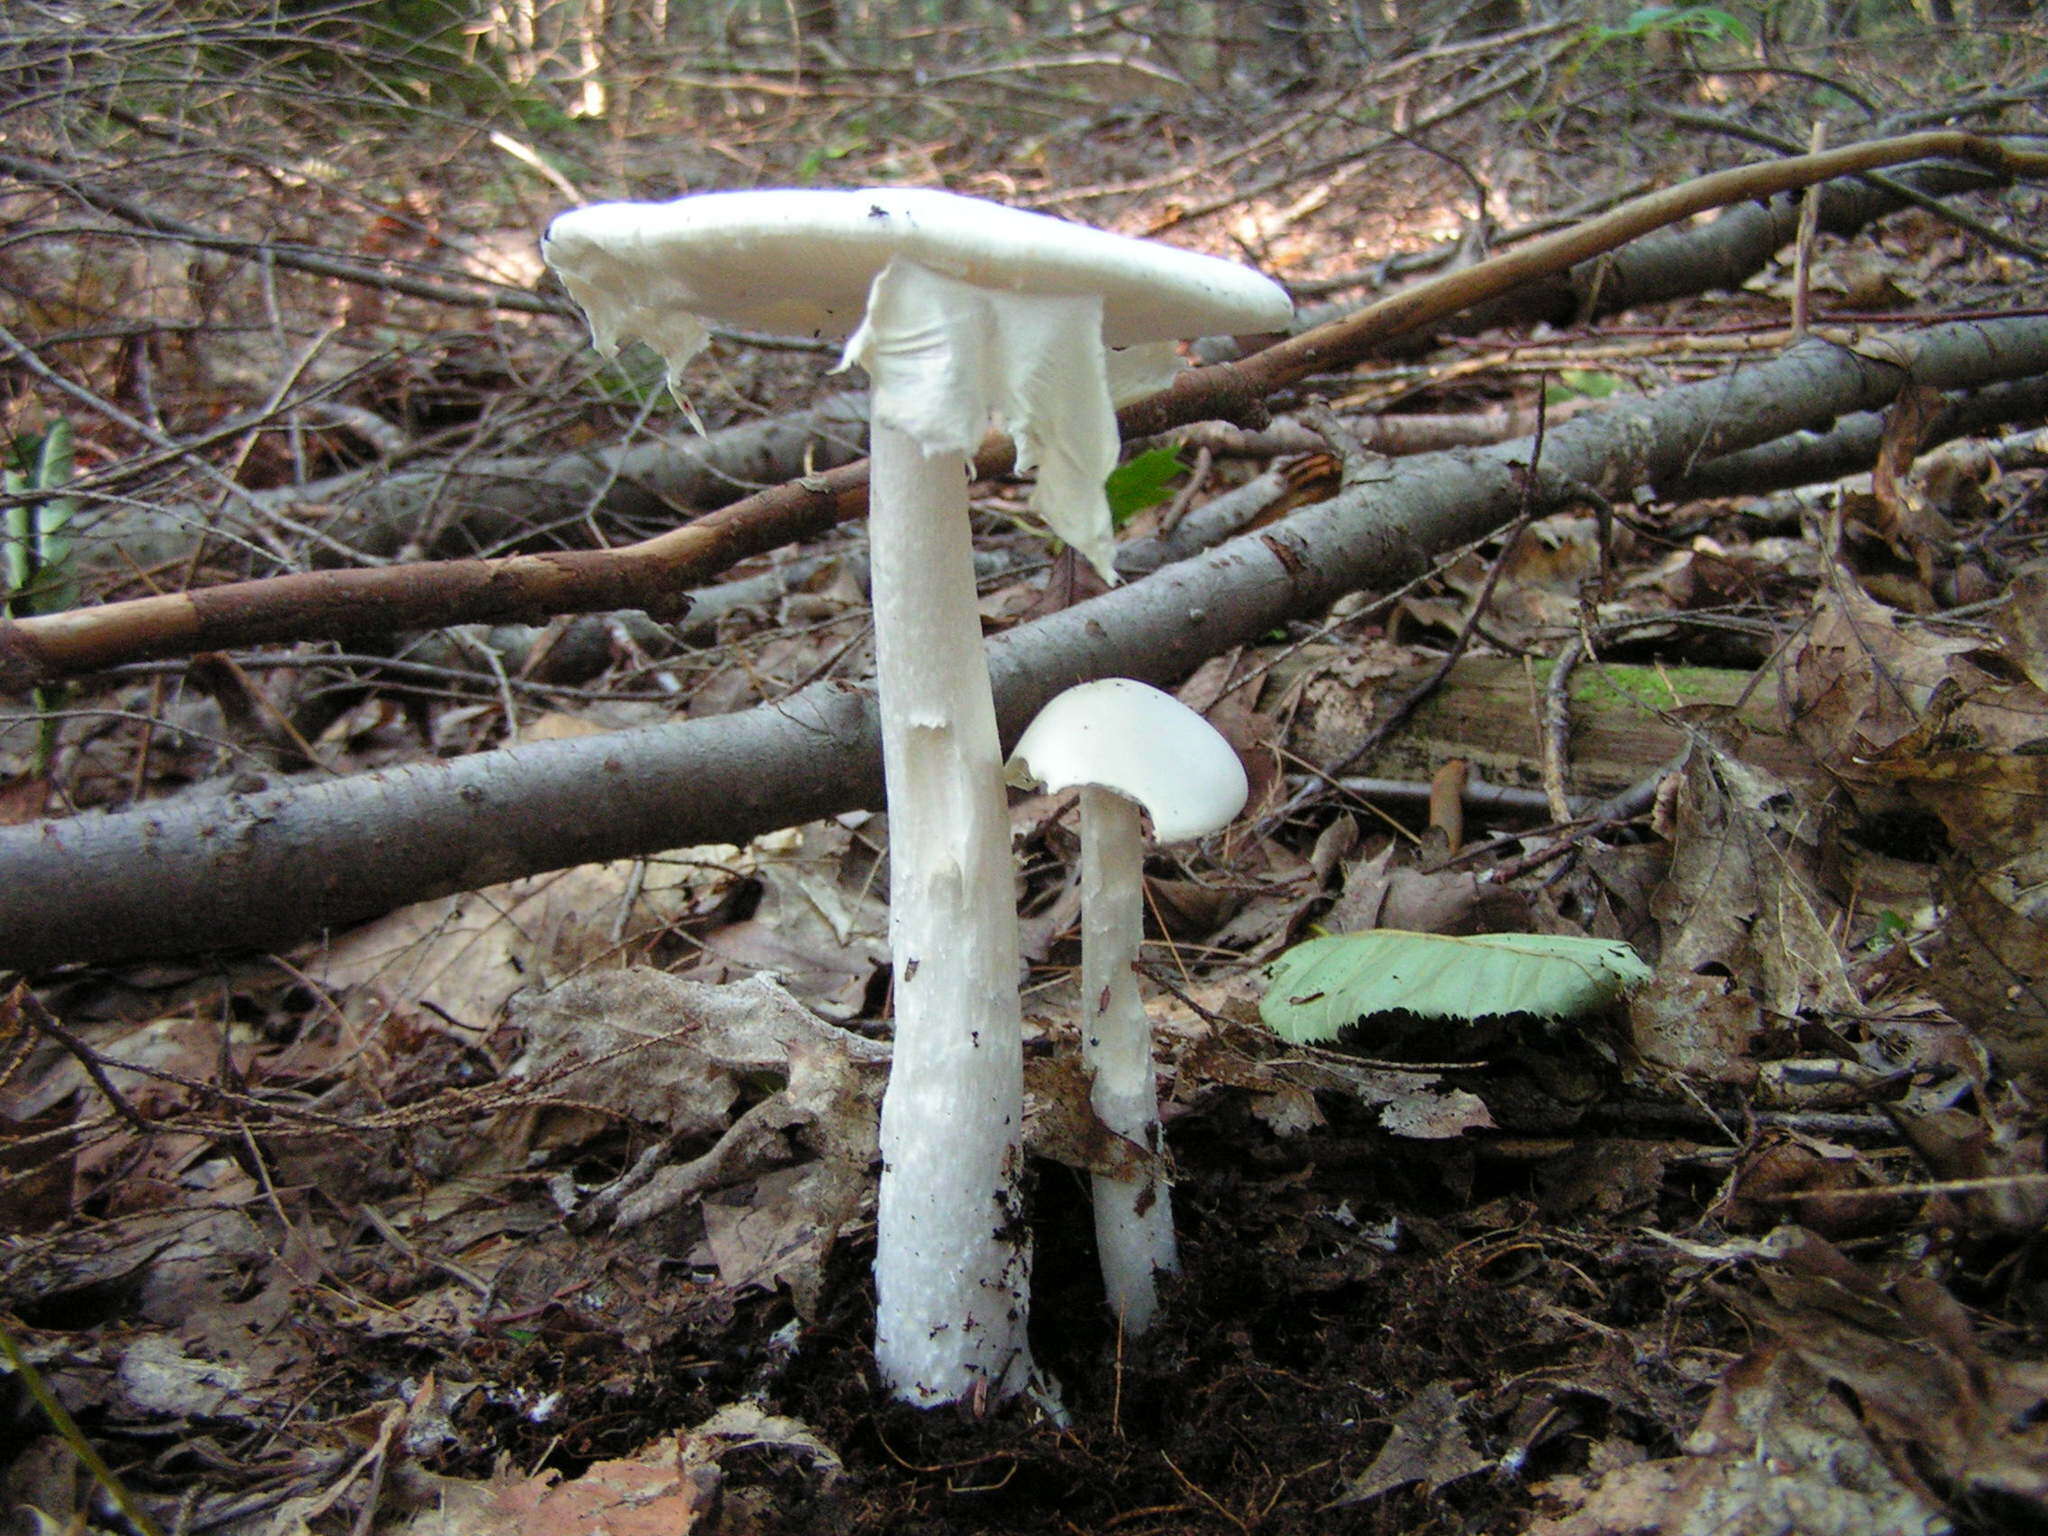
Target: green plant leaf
(812, 166)
(37, 566)
(1323, 985)
(17, 544)
(1891, 928)
(1708, 21)
(1141, 483)
(1577, 383)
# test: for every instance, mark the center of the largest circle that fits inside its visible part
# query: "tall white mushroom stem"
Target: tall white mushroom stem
(1133, 1217)
(952, 1271)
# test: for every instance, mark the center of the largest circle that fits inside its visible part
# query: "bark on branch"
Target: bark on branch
(270, 868)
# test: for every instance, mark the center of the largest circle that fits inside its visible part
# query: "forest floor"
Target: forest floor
(341, 1238)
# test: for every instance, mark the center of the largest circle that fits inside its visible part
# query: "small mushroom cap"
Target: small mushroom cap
(1145, 745)
(800, 262)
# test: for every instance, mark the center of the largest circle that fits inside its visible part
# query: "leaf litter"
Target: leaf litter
(547, 1208)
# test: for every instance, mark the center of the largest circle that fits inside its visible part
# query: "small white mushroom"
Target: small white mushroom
(959, 310)
(1127, 746)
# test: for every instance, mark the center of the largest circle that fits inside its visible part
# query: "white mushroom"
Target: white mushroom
(1127, 746)
(958, 310)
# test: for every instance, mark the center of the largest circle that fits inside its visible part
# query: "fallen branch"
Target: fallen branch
(1724, 253)
(346, 604)
(1439, 298)
(269, 868)
(1851, 445)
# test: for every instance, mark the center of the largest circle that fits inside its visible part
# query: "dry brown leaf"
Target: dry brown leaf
(1453, 901)
(742, 1426)
(821, 927)
(467, 954)
(781, 1230)
(1060, 1123)
(2023, 622)
(1977, 759)
(1897, 543)
(1743, 896)
(676, 1054)
(1787, 1177)
(1776, 1452)
(662, 1491)
(1429, 1445)
(23, 799)
(1924, 1393)
(1697, 1026)
(1608, 1178)
(670, 1487)
(660, 1022)
(157, 1376)
(1417, 1105)
(1998, 1151)
(1288, 1112)
(1860, 682)
(1414, 1104)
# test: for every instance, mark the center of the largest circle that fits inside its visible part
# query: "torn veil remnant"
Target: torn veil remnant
(959, 311)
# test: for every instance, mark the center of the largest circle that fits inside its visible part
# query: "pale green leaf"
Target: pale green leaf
(35, 552)
(1323, 985)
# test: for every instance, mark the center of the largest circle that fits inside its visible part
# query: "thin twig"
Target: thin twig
(1557, 727)
(39, 1019)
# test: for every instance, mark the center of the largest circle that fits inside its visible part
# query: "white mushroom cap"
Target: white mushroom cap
(801, 261)
(958, 309)
(1147, 746)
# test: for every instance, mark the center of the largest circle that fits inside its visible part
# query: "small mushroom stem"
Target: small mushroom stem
(952, 1271)
(1133, 1217)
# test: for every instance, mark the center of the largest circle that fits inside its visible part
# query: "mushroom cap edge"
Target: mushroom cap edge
(1120, 734)
(800, 261)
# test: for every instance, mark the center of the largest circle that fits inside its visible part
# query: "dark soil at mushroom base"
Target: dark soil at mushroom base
(1306, 1319)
